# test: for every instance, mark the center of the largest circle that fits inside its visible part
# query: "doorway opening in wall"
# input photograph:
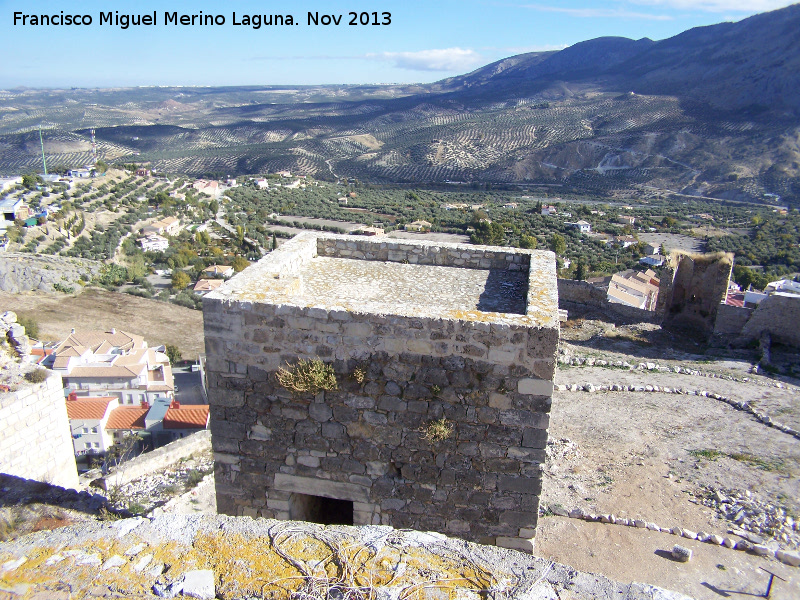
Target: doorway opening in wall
(319, 509)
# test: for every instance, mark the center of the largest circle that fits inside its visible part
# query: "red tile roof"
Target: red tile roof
(88, 408)
(126, 417)
(186, 417)
(735, 299)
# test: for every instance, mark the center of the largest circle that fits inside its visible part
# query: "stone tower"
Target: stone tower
(443, 357)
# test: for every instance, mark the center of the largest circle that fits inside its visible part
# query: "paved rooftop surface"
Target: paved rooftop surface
(405, 288)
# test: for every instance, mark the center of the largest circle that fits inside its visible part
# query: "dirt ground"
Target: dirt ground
(635, 455)
(158, 322)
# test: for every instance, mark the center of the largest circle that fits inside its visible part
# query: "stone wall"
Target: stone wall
(778, 315)
(488, 374)
(35, 440)
(158, 459)
(698, 287)
(731, 319)
(575, 295)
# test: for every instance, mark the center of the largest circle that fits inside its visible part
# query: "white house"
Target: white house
(88, 417)
(154, 243)
(548, 210)
(218, 271)
(165, 226)
(636, 289)
(582, 226)
(115, 363)
(262, 184)
(653, 260)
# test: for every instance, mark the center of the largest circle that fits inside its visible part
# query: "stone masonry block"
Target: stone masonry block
(535, 387)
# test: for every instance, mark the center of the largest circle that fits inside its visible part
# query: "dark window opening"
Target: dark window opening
(319, 509)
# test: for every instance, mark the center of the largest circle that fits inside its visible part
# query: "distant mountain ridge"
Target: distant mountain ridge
(713, 111)
(755, 61)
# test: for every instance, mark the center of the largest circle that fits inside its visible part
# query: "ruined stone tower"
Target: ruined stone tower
(443, 357)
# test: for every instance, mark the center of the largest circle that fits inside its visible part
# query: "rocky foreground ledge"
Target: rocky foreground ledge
(241, 558)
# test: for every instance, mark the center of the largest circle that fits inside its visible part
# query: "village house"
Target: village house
(159, 423)
(418, 226)
(88, 418)
(115, 363)
(165, 226)
(154, 243)
(218, 271)
(13, 209)
(625, 241)
(262, 184)
(204, 286)
(510, 205)
(634, 288)
(369, 231)
(212, 188)
(126, 420)
(548, 210)
(143, 172)
(626, 220)
(652, 260)
(582, 226)
(182, 420)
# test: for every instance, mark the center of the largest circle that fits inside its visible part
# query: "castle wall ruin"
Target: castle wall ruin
(35, 441)
(419, 335)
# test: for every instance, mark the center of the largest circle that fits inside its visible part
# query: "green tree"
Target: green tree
(136, 267)
(31, 180)
(240, 263)
(274, 241)
(488, 234)
(180, 280)
(174, 354)
(580, 271)
(528, 242)
(558, 244)
(101, 166)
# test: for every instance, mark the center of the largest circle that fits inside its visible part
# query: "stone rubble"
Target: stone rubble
(566, 358)
(156, 489)
(749, 543)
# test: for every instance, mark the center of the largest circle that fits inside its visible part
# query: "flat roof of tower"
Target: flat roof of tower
(473, 283)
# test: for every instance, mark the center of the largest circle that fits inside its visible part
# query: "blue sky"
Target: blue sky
(425, 41)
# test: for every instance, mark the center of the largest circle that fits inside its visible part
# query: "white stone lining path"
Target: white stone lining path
(785, 556)
(743, 406)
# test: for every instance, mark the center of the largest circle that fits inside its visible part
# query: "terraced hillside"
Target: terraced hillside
(607, 116)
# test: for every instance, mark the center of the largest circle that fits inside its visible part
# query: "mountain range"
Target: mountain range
(713, 111)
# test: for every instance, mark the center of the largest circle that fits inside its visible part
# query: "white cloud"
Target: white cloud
(445, 59)
(593, 13)
(747, 6)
